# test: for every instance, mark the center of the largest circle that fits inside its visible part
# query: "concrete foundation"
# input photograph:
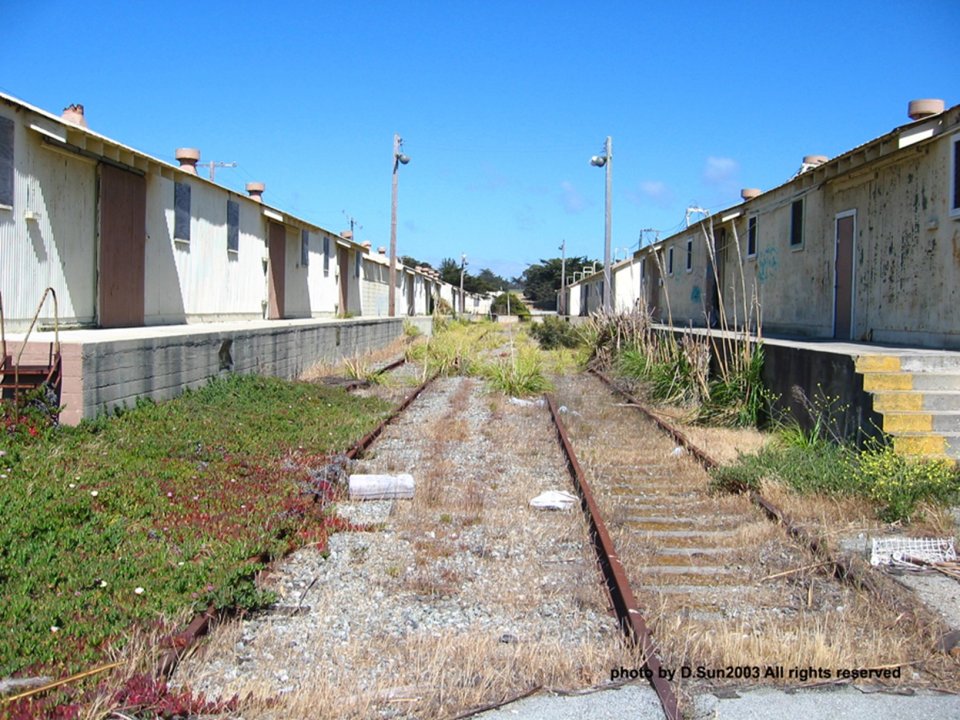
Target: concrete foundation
(105, 369)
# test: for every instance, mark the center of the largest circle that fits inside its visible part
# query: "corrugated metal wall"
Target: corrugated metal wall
(56, 249)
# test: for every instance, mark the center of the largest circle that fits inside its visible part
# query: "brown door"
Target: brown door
(278, 262)
(843, 277)
(343, 261)
(653, 289)
(123, 231)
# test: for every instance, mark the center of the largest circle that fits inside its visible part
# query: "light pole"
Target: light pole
(563, 278)
(463, 265)
(398, 159)
(600, 161)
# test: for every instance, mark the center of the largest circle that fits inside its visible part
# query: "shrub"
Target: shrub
(555, 333)
(517, 306)
(898, 484)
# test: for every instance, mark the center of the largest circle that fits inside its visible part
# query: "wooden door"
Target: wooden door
(843, 276)
(122, 217)
(276, 272)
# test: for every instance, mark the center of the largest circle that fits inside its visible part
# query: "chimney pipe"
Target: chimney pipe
(347, 234)
(382, 250)
(919, 109)
(188, 157)
(366, 245)
(255, 190)
(814, 160)
(750, 193)
(74, 114)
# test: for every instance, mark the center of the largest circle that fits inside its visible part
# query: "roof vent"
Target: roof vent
(74, 114)
(920, 109)
(255, 190)
(814, 160)
(347, 234)
(188, 157)
(750, 193)
(366, 245)
(382, 250)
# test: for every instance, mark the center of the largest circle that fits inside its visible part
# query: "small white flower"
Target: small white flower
(94, 493)
(169, 494)
(103, 583)
(77, 477)
(3, 477)
(180, 564)
(54, 628)
(72, 485)
(2, 453)
(138, 591)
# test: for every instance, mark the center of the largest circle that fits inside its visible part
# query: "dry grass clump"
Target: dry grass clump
(358, 366)
(431, 675)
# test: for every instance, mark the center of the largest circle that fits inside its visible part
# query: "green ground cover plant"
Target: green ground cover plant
(807, 463)
(159, 509)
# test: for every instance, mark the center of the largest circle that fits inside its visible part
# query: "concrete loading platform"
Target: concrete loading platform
(105, 369)
(863, 389)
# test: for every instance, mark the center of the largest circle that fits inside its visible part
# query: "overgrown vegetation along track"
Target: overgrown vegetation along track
(721, 586)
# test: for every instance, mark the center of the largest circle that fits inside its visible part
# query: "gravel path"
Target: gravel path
(466, 595)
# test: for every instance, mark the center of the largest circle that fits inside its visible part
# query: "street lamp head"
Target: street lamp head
(598, 160)
(402, 159)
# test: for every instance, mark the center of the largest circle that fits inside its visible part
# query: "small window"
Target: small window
(643, 269)
(304, 248)
(752, 237)
(326, 255)
(955, 178)
(233, 226)
(796, 224)
(689, 254)
(181, 212)
(670, 261)
(6, 162)
(359, 262)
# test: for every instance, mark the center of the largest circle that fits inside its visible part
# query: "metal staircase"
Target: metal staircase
(18, 379)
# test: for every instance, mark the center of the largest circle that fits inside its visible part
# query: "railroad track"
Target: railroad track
(699, 569)
(698, 580)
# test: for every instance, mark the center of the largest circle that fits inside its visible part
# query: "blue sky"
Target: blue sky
(500, 104)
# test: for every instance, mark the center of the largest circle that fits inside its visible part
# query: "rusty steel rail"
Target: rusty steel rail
(367, 440)
(844, 569)
(614, 575)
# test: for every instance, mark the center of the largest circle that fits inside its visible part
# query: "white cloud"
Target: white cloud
(571, 199)
(651, 191)
(720, 171)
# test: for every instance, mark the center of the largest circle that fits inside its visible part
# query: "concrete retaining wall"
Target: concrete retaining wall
(108, 369)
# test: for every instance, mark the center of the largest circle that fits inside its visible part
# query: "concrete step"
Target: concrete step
(936, 422)
(886, 381)
(928, 444)
(910, 401)
(908, 362)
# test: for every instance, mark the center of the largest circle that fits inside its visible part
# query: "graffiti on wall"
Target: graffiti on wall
(767, 262)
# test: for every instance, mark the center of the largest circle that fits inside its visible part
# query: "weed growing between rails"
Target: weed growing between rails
(503, 356)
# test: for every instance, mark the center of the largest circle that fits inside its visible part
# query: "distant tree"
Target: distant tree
(541, 281)
(450, 271)
(412, 262)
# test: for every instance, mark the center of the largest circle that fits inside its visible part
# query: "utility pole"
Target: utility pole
(398, 159)
(214, 164)
(606, 161)
(463, 265)
(563, 278)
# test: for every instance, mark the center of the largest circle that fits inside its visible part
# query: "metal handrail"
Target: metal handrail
(23, 345)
